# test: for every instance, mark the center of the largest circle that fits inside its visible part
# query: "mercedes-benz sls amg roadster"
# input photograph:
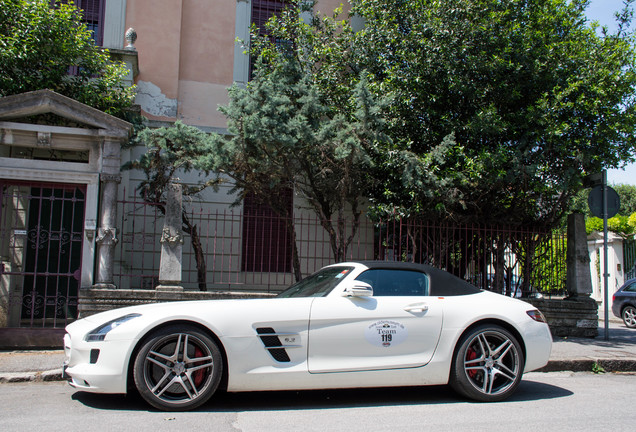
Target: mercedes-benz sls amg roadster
(353, 324)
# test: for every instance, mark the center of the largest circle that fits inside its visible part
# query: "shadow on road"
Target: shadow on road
(323, 399)
(531, 390)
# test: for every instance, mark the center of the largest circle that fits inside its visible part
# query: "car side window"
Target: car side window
(631, 288)
(389, 282)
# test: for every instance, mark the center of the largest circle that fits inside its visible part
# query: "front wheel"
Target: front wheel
(629, 316)
(488, 364)
(178, 368)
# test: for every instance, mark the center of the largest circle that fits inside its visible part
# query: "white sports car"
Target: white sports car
(357, 324)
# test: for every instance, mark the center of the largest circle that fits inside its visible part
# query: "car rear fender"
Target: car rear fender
(493, 321)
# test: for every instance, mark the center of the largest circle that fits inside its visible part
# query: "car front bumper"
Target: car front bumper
(538, 341)
(98, 367)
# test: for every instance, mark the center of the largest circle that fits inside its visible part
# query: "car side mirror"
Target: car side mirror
(358, 289)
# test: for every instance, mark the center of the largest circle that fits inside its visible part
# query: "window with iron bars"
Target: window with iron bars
(93, 16)
(263, 10)
(267, 244)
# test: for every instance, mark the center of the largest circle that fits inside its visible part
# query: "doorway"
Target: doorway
(41, 236)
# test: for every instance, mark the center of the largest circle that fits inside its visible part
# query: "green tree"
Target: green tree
(631, 221)
(627, 195)
(619, 224)
(38, 45)
(526, 94)
(498, 107)
(171, 151)
(294, 128)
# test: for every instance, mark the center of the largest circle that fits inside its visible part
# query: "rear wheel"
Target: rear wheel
(629, 316)
(178, 368)
(488, 364)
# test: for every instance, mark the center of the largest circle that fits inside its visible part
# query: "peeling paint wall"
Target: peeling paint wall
(153, 102)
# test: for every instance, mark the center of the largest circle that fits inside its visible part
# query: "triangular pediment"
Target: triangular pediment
(43, 102)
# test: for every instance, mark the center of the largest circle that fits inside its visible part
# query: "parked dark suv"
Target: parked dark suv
(624, 303)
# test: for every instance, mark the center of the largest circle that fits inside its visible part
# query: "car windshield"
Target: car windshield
(318, 284)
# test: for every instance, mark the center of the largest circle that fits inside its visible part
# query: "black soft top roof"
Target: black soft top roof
(442, 283)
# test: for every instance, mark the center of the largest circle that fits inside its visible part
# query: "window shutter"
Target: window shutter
(266, 242)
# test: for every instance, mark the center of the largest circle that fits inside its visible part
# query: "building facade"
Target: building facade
(61, 227)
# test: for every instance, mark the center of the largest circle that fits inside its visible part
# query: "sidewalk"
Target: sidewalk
(571, 354)
(581, 354)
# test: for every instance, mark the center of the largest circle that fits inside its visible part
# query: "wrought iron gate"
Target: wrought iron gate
(629, 258)
(41, 227)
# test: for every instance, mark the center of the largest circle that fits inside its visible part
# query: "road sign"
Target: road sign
(595, 201)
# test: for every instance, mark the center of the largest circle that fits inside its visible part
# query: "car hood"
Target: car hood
(237, 317)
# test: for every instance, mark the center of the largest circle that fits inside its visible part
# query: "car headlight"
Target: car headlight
(100, 332)
(536, 315)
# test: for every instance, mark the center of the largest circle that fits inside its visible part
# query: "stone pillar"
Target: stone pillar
(171, 241)
(106, 238)
(579, 279)
(107, 233)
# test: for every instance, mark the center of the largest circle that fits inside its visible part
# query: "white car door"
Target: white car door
(386, 331)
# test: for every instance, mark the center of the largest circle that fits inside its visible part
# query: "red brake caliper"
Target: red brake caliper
(198, 375)
(471, 355)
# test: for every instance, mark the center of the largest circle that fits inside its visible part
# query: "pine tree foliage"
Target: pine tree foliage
(493, 109)
(170, 152)
(290, 130)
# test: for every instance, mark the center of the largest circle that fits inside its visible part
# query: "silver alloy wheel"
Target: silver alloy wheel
(491, 362)
(629, 316)
(177, 369)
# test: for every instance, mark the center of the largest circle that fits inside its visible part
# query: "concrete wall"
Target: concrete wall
(570, 317)
(615, 265)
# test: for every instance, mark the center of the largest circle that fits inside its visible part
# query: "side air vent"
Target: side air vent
(272, 343)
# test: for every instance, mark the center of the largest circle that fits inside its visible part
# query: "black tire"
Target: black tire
(488, 364)
(178, 368)
(629, 316)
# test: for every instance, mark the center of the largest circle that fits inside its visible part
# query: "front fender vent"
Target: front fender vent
(272, 343)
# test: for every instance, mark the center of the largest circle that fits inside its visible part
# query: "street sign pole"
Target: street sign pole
(604, 203)
(605, 269)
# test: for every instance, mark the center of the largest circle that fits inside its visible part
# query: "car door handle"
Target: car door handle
(417, 308)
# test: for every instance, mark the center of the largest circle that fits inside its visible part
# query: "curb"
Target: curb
(590, 365)
(20, 377)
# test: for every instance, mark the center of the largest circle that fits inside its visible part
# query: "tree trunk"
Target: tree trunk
(199, 256)
(291, 229)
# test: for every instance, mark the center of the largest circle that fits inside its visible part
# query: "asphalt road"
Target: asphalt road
(563, 401)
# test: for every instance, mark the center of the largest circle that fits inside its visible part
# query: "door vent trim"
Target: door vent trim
(271, 341)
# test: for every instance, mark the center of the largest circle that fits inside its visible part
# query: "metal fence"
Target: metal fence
(629, 258)
(512, 261)
(243, 253)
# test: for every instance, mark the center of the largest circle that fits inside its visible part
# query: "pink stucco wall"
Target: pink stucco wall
(186, 56)
(158, 26)
(207, 41)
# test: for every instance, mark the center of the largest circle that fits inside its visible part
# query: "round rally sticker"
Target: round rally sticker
(385, 333)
